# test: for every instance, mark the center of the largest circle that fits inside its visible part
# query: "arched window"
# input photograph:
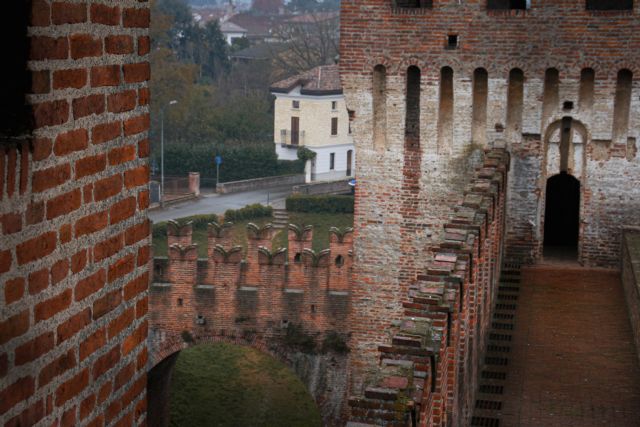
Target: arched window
(480, 94)
(445, 110)
(514, 100)
(587, 82)
(339, 261)
(622, 104)
(379, 96)
(412, 111)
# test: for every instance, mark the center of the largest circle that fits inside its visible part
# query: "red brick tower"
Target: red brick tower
(74, 241)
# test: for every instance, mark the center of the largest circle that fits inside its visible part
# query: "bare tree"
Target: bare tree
(305, 41)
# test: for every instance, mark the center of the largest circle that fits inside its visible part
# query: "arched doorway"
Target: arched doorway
(562, 216)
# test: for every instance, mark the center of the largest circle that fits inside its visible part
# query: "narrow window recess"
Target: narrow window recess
(609, 5)
(200, 320)
(334, 126)
(295, 104)
(452, 41)
(334, 105)
(339, 261)
(508, 4)
(567, 105)
(297, 258)
(414, 4)
(332, 161)
(179, 302)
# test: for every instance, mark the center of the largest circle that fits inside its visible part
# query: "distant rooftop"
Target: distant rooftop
(322, 80)
(230, 27)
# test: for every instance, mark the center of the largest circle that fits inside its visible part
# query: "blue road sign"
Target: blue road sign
(218, 160)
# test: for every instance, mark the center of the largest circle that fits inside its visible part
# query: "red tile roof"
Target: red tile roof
(322, 80)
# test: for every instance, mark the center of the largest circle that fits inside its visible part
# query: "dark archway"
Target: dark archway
(562, 215)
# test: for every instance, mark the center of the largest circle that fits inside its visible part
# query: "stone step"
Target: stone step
(380, 393)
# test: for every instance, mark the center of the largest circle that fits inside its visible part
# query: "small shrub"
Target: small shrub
(305, 154)
(200, 221)
(335, 342)
(248, 212)
(328, 204)
(296, 338)
(159, 230)
(187, 337)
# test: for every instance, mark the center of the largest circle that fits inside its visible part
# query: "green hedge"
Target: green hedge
(248, 212)
(329, 204)
(239, 161)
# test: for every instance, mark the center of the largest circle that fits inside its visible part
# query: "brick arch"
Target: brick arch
(576, 125)
(622, 65)
(161, 364)
(370, 64)
(176, 343)
(503, 71)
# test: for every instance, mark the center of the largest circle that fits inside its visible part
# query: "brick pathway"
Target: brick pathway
(572, 360)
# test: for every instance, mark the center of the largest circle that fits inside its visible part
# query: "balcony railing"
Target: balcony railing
(288, 138)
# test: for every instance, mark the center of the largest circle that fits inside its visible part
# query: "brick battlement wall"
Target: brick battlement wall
(428, 367)
(74, 235)
(430, 88)
(254, 301)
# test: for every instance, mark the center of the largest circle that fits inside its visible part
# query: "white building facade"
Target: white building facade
(310, 111)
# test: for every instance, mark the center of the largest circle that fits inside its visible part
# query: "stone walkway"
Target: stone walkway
(572, 360)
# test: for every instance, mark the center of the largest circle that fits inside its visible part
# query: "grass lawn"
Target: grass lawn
(321, 223)
(228, 385)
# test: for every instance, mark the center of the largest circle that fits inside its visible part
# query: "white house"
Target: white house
(310, 111)
(232, 31)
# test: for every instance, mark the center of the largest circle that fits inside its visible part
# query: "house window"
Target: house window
(332, 161)
(334, 105)
(295, 104)
(334, 126)
(508, 4)
(609, 4)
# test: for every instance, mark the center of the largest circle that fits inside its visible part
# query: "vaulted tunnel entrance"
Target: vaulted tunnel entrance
(562, 216)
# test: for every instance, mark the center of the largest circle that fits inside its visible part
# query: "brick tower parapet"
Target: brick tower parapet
(179, 233)
(219, 234)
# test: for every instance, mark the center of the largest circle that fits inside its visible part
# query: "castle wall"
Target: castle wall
(74, 244)
(426, 370)
(405, 193)
(274, 300)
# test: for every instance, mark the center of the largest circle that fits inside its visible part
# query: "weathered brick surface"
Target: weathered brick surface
(399, 214)
(63, 211)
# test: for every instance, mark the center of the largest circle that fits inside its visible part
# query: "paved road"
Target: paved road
(218, 203)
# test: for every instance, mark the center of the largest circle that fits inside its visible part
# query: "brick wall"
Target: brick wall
(427, 370)
(253, 300)
(74, 244)
(405, 196)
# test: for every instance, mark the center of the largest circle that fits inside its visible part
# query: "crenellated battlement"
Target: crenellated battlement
(259, 292)
(428, 368)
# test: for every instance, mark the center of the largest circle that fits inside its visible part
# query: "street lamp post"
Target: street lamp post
(162, 151)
